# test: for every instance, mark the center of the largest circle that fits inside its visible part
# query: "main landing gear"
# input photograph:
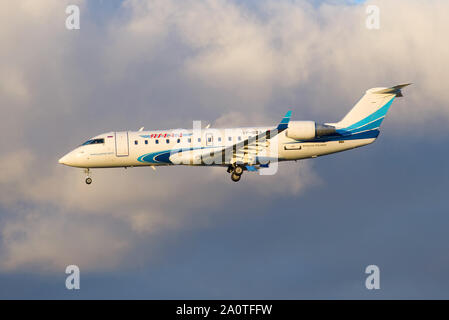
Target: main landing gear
(236, 172)
(88, 178)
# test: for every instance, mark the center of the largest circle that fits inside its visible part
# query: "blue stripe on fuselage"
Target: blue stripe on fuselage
(164, 156)
(360, 135)
(369, 126)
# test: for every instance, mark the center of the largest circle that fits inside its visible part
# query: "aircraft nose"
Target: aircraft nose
(63, 160)
(69, 159)
(74, 158)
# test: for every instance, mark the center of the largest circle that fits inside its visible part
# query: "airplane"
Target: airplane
(237, 149)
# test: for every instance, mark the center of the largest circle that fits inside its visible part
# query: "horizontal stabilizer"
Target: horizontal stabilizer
(393, 90)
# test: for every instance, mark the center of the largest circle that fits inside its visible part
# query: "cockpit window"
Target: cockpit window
(93, 141)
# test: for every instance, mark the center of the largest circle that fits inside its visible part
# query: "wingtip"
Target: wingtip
(285, 120)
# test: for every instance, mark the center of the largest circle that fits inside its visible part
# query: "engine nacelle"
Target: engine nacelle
(308, 130)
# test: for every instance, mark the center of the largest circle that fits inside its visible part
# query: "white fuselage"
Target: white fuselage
(163, 147)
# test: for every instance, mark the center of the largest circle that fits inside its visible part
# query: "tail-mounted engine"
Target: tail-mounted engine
(308, 130)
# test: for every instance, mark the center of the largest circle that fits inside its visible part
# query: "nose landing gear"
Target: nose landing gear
(88, 178)
(236, 172)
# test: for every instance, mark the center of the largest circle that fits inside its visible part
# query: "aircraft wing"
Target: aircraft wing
(246, 151)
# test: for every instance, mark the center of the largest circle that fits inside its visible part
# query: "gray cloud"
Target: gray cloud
(170, 62)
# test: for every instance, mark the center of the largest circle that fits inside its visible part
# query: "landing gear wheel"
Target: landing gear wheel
(238, 170)
(235, 177)
(88, 178)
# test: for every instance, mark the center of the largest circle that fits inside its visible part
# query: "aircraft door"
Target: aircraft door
(121, 144)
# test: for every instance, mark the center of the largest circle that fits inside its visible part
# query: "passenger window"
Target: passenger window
(168, 140)
(157, 141)
(135, 142)
(199, 139)
(240, 138)
(219, 139)
(146, 141)
(189, 140)
(229, 138)
(209, 139)
(179, 140)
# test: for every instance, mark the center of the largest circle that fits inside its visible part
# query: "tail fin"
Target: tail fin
(370, 111)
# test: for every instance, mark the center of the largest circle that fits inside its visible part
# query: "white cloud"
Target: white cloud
(255, 54)
(176, 59)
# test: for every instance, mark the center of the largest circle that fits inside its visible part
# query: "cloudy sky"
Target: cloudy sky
(307, 232)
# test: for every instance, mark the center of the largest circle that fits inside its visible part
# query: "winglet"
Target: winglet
(284, 122)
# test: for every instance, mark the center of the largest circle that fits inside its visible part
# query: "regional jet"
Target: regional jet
(237, 149)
